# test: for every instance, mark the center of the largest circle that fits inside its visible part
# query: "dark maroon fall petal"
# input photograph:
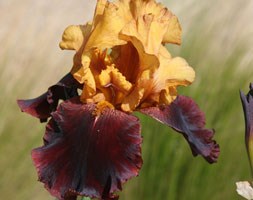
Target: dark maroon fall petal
(42, 106)
(37, 107)
(184, 116)
(88, 155)
(247, 103)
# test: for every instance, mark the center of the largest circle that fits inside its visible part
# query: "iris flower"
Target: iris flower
(244, 188)
(92, 142)
(247, 103)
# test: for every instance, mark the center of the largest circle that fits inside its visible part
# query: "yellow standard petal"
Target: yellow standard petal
(75, 36)
(174, 31)
(108, 25)
(173, 72)
(152, 25)
(121, 59)
(100, 7)
(142, 31)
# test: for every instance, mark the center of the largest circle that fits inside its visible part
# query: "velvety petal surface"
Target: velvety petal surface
(42, 106)
(87, 151)
(247, 103)
(184, 116)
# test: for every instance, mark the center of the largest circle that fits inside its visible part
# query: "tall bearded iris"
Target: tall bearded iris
(92, 142)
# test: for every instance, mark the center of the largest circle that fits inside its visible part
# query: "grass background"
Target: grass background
(217, 42)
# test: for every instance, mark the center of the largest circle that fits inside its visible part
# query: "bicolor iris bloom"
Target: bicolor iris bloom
(92, 142)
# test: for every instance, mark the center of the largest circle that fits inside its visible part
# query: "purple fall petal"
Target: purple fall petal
(37, 107)
(89, 155)
(42, 106)
(184, 116)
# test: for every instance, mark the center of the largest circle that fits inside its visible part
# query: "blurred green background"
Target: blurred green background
(217, 42)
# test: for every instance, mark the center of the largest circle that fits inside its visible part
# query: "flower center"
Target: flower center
(101, 106)
(104, 76)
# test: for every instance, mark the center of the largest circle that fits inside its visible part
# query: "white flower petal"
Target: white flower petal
(244, 189)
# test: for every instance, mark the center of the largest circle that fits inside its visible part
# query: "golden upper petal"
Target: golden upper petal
(174, 31)
(175, 71)
(152, 24)
(120, 56)
(106, 30)
(146, 61)
(144, 29)
(98, 14)
(75, 36)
